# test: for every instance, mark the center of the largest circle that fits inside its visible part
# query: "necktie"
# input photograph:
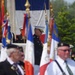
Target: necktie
(17, 69)
(68, 69)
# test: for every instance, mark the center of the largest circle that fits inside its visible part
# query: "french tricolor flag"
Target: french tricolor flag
(37, 13)
(54, 42)
(4, 28)
(45, 56)
(29, 54)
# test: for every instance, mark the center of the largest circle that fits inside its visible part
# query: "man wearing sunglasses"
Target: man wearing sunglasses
(62, 65)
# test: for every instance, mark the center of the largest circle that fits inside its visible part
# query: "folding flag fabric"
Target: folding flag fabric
(24, 23)
(4, 28)
(45, 56)
(4, 32)
(3, 55)
(4, 43)
(3, 48)
(9, 35)
(2, 10)
(54, 42)
(29, 53)
(25, 26)
(5, 39)
(36, 12)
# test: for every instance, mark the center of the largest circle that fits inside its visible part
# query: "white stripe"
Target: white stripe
(53, 50)
(29, 53)
(37, 18)
(45, 56)
(3, 55)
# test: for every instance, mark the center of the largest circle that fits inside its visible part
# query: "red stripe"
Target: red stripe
(43, 68)
(29, 68)
(24, 25)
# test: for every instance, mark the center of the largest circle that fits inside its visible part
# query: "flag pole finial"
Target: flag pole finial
(51, 10)
(27, 5)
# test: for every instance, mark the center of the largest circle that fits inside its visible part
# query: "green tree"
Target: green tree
(64, 15)
(57, 5)
(66, 26)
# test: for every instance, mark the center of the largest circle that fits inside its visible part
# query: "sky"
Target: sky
(70, 1)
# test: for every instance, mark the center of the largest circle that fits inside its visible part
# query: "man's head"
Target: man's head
(63, 50)
(21, 53)
(13, 52)
(38, 30)
(21, 30)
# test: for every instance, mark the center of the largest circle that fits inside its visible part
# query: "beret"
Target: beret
(63, 44)
(12, 46)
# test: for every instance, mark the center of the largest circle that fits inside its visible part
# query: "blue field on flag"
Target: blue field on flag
(35, 4)
(37, 13)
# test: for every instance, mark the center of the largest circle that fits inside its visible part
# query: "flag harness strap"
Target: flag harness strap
(60, 67)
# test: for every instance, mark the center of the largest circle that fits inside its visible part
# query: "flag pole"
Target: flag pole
(27, 5)
(50, 32)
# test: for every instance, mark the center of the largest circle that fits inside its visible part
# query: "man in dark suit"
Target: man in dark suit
(10, 66)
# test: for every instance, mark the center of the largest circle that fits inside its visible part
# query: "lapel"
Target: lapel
(9, 68)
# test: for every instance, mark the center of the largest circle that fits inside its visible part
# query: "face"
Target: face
(16, 55)
(22, 56)
(64, 52)
(38, 32)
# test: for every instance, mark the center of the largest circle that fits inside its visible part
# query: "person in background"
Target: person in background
(19, 38)
(38, 47)
(21, 59)
(22, 56)
(62, 65)
(73, 56)
(10, 66)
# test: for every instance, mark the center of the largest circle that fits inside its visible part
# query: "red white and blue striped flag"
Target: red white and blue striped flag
(45, 56)
(54, 42)
(29, 54)
(37, 13)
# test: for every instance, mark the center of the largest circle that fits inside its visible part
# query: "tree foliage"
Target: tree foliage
(65, 20)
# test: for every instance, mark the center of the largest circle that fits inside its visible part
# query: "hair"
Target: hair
(9, 51)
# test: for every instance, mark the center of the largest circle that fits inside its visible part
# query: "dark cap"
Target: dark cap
(12, 46)
(63, 44)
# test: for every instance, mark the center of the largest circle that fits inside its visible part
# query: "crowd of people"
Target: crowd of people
(14, 63)
(15, 55)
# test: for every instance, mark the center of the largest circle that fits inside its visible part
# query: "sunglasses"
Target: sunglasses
(66, 50)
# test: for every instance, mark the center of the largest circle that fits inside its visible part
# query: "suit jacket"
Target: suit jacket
(6, 68)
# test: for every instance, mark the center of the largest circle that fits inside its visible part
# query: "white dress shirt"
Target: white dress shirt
(53, 68)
